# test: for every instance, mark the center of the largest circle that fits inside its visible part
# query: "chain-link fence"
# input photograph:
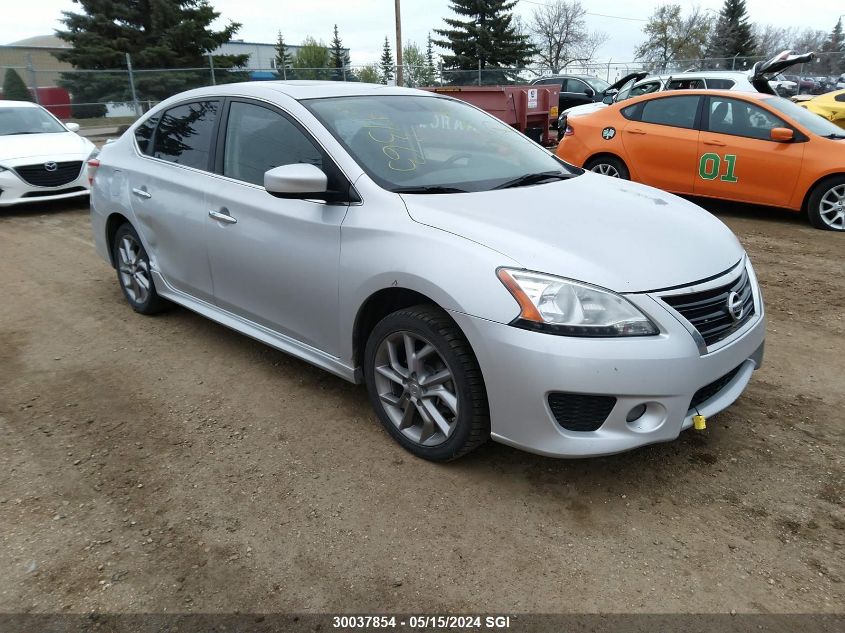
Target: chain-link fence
(127, 93)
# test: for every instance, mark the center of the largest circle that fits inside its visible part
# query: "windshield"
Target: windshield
(417, 142)
(599, 85)
(28, 121)
(810, 120)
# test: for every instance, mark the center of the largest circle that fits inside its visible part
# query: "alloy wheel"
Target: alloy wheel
(606, 170)
(416, 387)
(832, 208)
(134, 269)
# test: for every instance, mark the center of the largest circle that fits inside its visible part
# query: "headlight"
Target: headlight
(562, 306)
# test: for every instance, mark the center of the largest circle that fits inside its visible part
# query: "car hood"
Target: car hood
(43, 145)
(612, 233)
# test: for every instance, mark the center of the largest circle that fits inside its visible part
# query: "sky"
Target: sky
(364, 24)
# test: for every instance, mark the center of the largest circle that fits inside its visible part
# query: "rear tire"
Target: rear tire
(826, 205)
(435, 403)
(608, 166)
(134, 273)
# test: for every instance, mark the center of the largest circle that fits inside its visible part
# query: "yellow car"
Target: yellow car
(831, 106)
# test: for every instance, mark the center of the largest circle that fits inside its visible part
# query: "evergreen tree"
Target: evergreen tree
(284, 61)
(338, 58)
(312, 60)
(833, 62)
(430, 68)
(386, 63)
(14, 88)
(489, 38)
(158, 34)
(732, 39)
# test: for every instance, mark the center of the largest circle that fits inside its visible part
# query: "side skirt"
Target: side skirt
(258, 332)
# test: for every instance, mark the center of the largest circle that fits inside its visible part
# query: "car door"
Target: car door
(573, 92)
(737, 159)
(661, 141)
(166, 190)
(274, 261)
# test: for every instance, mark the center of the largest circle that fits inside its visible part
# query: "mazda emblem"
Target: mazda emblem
(51, 166)
(735, 307)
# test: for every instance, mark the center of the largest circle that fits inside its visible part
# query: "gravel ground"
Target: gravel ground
(169, 464)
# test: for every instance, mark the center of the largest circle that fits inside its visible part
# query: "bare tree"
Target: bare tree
(671, 36)
(771, 40)
(560, 34)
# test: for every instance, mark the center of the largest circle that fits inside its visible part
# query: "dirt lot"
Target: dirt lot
(169, 464)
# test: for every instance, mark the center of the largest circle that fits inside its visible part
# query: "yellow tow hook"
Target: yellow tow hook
(699, 422)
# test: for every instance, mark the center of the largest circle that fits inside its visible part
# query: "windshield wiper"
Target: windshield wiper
(534, 179)
(429, 189)
(834, 135)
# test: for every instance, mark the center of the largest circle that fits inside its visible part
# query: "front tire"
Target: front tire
(134, 273)
(826, 205)
(608, 166)
(425, 385)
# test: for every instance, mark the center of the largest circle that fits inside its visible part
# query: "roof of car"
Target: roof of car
(17, 104)
(733, 94)
(308, 89)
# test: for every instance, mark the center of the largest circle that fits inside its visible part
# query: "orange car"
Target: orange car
(747, 147)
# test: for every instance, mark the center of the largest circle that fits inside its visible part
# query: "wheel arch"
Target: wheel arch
(114, 222)
(377, 306)
(602, 154)
(807, 194)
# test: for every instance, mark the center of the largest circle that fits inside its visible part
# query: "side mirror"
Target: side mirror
(609, 96)
(782, 134)
(72, 127)
(301, 180)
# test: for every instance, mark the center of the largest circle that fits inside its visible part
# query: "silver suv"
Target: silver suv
(476, 284)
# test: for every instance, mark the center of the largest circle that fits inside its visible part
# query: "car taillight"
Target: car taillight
(570, 131)
(93, 163)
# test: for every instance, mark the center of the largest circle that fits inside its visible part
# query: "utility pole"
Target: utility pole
(398, 45)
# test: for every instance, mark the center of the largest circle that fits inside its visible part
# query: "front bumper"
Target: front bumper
(15, 190)
(664, 372)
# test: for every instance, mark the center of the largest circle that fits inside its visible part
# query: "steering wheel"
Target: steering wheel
(454, 158)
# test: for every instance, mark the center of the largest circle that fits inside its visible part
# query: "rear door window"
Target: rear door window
(685, 84)
(673, 111)
(185, 133)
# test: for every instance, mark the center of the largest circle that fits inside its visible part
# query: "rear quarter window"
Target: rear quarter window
(720, 84)
(144, 135)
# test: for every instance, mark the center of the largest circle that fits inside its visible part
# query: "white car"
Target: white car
(840, 83)
(641, 84)
(763, 77)
(41, 158)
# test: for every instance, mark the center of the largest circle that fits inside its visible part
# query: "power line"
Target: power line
(598, 15)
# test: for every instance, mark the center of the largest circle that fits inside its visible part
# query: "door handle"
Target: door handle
(142, 193)
(222, 217)
(714, 142)
(636, 130)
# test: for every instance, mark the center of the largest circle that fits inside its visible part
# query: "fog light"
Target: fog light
(635, 413)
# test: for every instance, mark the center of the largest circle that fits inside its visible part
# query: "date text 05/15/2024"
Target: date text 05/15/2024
(421, 622)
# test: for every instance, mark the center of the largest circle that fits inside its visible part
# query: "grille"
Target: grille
(39, 176)
(52, 192)
(708, 391)
(579, 412)
(708, 312)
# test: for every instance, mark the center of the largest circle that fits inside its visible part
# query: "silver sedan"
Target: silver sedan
(480, 287)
